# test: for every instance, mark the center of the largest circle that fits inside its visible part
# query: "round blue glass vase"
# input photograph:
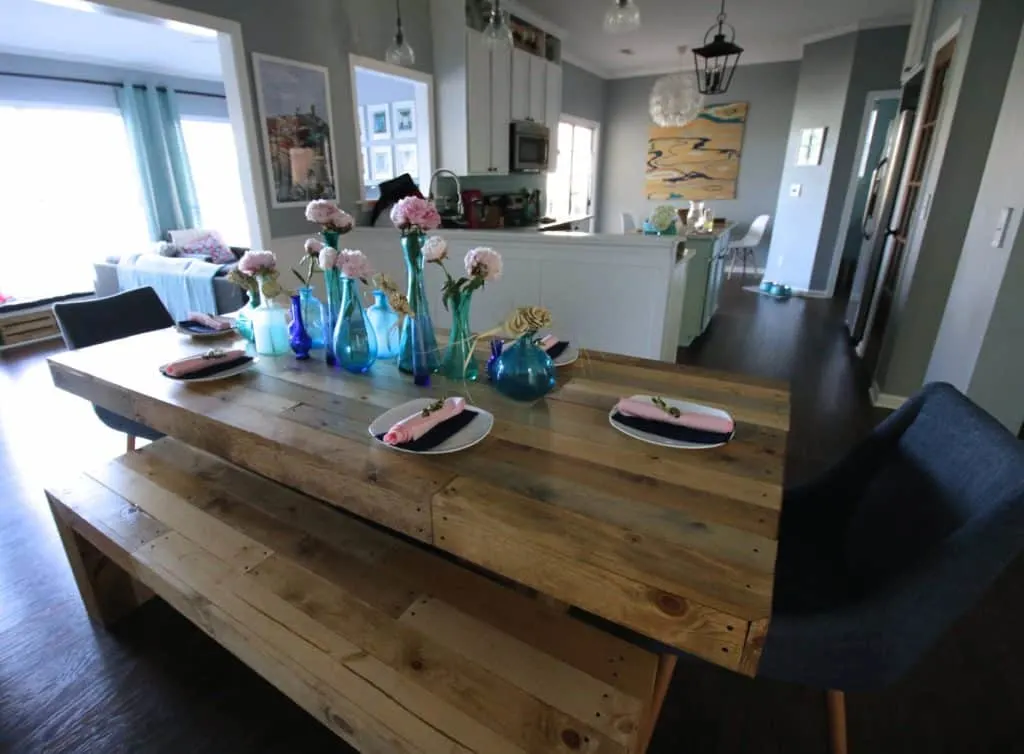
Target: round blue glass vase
(417, 330)
(524, 372)
(354, 345)
(298, 338)
(384, 321)
(312, 317)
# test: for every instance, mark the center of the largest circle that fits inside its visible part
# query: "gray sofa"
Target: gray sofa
(229, 297)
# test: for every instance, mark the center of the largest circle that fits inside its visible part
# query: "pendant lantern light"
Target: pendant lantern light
(716, 61)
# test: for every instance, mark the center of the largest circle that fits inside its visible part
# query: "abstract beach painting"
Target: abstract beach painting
(700, 160)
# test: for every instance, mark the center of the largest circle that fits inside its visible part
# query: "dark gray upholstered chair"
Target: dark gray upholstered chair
(99, 320)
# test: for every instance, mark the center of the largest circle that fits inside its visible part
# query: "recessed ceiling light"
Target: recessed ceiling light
(72, 4)
(199, 31)
(626, 51)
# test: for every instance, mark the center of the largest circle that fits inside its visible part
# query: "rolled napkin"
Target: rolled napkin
(414, 427)
(691, 427)
(212, 321)
(205, 363)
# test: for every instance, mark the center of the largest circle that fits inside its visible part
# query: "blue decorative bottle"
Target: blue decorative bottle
(384, 321)
(298, 338)
(425, 340)
(354, 345)
(332, 310)
(312, 318)
(269, 327)
(524, 372)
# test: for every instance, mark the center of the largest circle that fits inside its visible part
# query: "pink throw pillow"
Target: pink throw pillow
(210, 245)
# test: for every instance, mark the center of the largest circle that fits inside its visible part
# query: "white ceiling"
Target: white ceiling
(768, 30)
(136, 42)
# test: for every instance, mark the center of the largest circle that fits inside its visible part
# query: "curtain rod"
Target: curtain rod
(96, 82)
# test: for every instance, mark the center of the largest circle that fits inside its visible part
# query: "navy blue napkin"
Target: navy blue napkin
(212, 370)
(672, 431)
(200, 329)
(438, 433)
(557, 349)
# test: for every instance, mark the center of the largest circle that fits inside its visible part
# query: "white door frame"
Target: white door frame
(237, 88)
(851, 191)
(595, 148)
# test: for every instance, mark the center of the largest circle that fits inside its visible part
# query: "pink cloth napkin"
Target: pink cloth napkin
(417, 425)
(212, 321)
(548, 341)
(190, 364)
(647, 410)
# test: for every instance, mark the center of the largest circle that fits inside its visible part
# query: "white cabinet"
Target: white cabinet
(917, 42)
(520, 85)
(501, 75)
(538, 88)
(553, 108)
(478, 105)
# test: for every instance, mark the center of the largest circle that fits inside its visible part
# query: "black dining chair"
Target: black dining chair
(882, 554)
(99, 320)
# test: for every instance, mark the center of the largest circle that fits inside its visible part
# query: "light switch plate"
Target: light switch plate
(795, 189)
(1002, 227)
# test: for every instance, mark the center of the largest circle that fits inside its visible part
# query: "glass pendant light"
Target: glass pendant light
(498, 33)
(675, 99)
(399, 52)
(716, 61)
(624, 16)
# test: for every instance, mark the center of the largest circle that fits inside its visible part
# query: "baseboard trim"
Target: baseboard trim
(886, 400)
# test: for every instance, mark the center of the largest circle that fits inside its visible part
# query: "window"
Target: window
(212, 158)
(70, 197)
(571, 187)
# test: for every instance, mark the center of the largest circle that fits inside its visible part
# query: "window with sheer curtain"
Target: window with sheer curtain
(70, 193)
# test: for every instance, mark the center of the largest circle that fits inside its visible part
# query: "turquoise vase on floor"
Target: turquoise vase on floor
(423, 340)
(459, 362)
(384, 321)
(355, 345)
(524, 372)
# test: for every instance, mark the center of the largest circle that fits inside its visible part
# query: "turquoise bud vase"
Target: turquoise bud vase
(417, 330)
(270, 328)
(459, 362)
(384, 321)
(355, 345)
(524, 372)
(331, 312)
(312, 316)
(298, 338)
(243, 322)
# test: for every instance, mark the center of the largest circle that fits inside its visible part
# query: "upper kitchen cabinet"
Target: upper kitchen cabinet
(479, 91)
(918, 40)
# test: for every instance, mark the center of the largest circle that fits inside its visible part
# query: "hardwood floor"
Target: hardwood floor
(160, 686)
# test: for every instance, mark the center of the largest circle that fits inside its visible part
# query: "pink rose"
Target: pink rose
(341, 221)
(435, 249)
(328, 258)
(313, 246)
(414, 212)
(483, 263)
(321, 211)
(257, 262)
(354, 264)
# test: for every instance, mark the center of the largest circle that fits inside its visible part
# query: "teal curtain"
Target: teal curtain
(154, 125)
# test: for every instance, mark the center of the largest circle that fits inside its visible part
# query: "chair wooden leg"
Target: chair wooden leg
(666, 667)
(836, 702)
(130, 443)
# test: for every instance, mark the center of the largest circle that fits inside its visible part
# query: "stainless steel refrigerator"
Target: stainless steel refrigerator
(876, 225)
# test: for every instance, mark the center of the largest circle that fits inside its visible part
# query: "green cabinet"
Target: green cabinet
(703, 281)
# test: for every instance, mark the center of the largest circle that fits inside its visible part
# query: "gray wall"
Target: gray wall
(984, 56)
(770, 89)
(877, 62)
(825, 74)
(978, 347)
(323, 32)
(583, 94)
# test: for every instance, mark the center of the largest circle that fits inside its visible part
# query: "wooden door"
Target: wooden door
(538, 85)
(478, 104)
(520, 84)
(500, 102)
(908, 212)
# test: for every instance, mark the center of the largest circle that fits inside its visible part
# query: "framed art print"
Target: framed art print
(379, 122)
(404, 120)
(382, 166)
(407, 160)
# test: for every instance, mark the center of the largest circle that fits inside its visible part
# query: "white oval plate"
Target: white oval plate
(205, 335)
(567, 357)
(234, 371)
(467, 437)
(665, 442)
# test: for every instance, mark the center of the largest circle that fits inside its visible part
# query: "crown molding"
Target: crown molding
(586, 65)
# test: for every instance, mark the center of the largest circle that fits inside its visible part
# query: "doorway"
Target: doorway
(570, 188)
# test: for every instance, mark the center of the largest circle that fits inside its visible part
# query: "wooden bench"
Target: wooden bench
(393, 647)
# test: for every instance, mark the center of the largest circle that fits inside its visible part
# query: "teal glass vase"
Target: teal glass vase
(331, 311)
(417, 330)
(384, 321)
(459, 362)
(354, 345)
(312, 316)
(243, 321)
(524, 372)
(270, 328)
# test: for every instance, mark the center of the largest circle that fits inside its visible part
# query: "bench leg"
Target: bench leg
(109, 593)
(666, 667)
(836, 702)
(130, 444)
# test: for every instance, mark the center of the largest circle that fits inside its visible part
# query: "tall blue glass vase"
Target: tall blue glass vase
(312, 318)
(425, 342)
(332, 310)
(385, 326)
(459, 362)
(355, 345)
(298, 338)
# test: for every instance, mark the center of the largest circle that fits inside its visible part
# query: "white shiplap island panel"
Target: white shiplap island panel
(615, 293)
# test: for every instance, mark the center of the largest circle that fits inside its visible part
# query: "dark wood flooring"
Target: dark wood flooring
(157, 685)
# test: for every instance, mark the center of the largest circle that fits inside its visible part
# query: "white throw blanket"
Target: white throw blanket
(184, 285)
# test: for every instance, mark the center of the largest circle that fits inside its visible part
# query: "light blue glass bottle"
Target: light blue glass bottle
(384, 321)
(270, 328)
(312, 318)
(355, 345)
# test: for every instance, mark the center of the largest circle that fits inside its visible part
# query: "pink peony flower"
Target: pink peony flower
(328, 258)
(321, 211)
(257, 262)
(354, 264)
(341, 221)
(314, 246)
(414, 212)
(483, 263)
(435, 249)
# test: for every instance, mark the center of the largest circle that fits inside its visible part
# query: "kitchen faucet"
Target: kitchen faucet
(460, 208)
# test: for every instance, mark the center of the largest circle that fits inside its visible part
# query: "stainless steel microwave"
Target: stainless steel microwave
(530, 145)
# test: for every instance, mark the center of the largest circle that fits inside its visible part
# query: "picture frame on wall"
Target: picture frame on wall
(366, 166)
(361, 115)
(812, 144)
(379, 122)
(294, 103)
(407, 160)
(404, 120)
(382, 165)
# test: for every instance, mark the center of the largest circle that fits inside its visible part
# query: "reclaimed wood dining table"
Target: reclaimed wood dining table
(676, 545)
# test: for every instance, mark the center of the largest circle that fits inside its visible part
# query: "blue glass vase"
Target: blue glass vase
(243, 322)
(384, 321)
(459, 362)
(425, 342)
(270, 328)
(355, 345)
(332, 309)
(524, 372)
(298, 338)
(312, 317)
(497, 345)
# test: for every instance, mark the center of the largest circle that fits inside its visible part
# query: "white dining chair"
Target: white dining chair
(746, 247)
(628, 222)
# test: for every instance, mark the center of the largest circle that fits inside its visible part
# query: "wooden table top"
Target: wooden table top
(677, 545)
